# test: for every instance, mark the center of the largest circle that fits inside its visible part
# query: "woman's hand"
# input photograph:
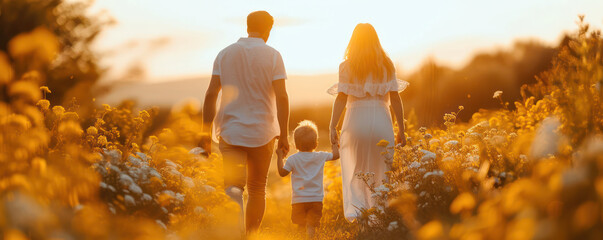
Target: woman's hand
(334, 136)
(401, 139)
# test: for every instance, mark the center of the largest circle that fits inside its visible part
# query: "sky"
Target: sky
(159, 40)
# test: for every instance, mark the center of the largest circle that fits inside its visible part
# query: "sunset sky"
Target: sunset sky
(177, 39)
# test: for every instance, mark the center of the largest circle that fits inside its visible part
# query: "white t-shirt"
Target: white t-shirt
(247, 107)
(306, 175)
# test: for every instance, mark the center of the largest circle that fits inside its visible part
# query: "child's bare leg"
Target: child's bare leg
(310, 231)
(301, 228)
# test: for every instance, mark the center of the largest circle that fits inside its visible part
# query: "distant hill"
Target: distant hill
(304, 91)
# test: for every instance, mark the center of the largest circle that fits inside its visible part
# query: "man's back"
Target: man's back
(247, 112)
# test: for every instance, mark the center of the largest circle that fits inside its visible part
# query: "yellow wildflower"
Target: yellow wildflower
(138, 120)
(431, 230)
(39, 165)
(144, 114)
(383, 143)
(58, 110)
(153, 139)
(92, 130)
(102, 140)
(26, 89)
(106, 107)
(43, 104)
(18, 121)
(464, 201)
(45, 89)
(40, 42)
(71, 116)
(34, 114)
(461, 108)
(70, 129)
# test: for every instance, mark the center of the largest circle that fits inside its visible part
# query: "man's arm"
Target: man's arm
(282, 111)
(209, 111)
(279, 163)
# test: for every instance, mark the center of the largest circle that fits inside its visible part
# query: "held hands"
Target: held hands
(205, 143)
(334, 136)
(283, 145)
(280, 154)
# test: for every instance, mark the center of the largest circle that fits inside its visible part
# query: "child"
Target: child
(306, 167)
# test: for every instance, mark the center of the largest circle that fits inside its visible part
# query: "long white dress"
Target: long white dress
(367, 121)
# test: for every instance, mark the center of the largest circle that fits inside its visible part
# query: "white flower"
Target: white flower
(497, 94)
(428, 156)
(392, 226)
(129, 201)
(160, 223)
(180, 197)
(125, 179)
(451, 143)
(113, 155)
(142, 156)
(197, 151)
(376, 194)
(415, 165)
(437, 173)
(135, 161)
(211, 189)
(153, 172)
(135, 189)
(382, 188)
(146, 197)
(547, 139)
(188, 182)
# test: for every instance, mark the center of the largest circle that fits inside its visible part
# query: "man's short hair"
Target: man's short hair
(259, 21)
(306, 136)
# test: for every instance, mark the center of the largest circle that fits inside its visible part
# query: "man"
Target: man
(253, 113)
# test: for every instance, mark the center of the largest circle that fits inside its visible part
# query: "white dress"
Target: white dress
(367, 121)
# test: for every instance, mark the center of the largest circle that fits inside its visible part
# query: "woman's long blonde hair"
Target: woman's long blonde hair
(365, 55)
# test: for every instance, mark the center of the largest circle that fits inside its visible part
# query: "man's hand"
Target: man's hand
(283, 145)
(205, 143)
(282, 112)
(279, 153)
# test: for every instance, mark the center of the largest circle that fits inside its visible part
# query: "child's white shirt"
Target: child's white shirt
(307, 170)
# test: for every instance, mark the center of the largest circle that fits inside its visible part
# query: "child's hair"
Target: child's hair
(306, 136)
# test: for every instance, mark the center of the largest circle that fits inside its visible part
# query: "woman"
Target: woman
(367, 86)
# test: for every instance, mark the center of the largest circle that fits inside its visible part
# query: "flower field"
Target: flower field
(532, 169)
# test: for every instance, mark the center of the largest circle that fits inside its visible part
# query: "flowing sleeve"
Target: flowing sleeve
(398, 85)
(369, 88)
(344, 81)
(356, 90)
